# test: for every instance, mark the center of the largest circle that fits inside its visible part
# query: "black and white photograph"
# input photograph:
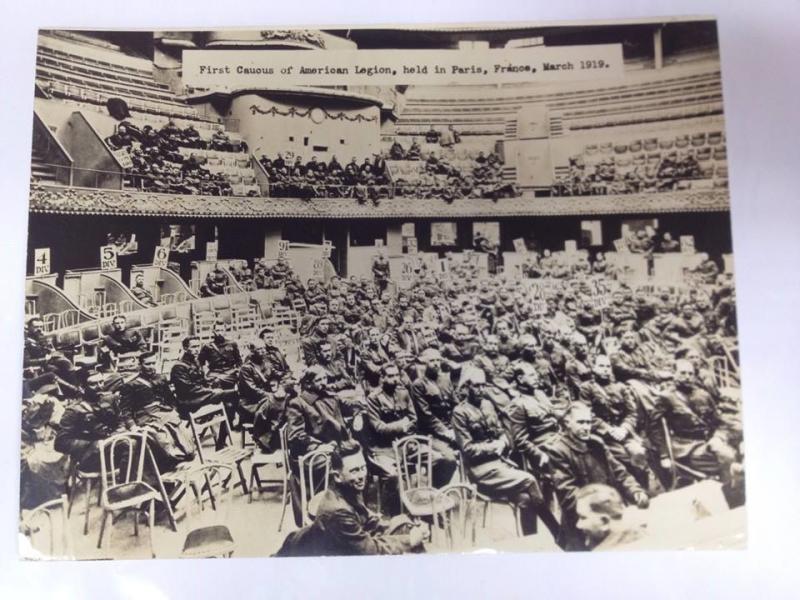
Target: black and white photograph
(380, 290)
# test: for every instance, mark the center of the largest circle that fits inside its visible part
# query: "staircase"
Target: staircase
(41, 172)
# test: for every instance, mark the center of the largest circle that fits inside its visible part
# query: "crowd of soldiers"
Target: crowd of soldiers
(671, 172)
(531, 389)
(159, 166)
(320, 179)
(262, 276)
(440, 179)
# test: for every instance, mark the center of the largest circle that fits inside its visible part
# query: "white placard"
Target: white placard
(212, 251)
(41, 261)
(687, 244)
(283, 248)
(519, 246)
(327, 248)
(108, 257)
(412, 245)
(318, 267)
(620, 245)
(379, 243)
(161, 257)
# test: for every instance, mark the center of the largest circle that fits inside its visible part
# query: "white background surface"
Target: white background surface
(759, 47)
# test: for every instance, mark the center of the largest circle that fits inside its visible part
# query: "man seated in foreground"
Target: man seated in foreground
(603, 520)
(577, 458)
(344, 525)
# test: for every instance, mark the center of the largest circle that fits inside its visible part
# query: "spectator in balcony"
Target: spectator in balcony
(446, 138)
(396, 152)
(221, 141)
(414, 152)
(432, 136)
(120, 139)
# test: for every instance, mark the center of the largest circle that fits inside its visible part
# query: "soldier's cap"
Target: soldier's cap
(471, 375)
(430, 354)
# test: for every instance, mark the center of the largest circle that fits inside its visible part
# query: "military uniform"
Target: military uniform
(434, 402)
(84, 425)
(123, 342)
(312, 419)
(613, 405)
(533, 423)
(344, 526)
(223, 360)
(192, 390)
(700, 437)
(151, 404)
(575, 464)
(477, 429)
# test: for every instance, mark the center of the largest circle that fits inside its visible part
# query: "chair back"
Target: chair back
(456, 509)
(414, 459)
(210, 421)
(315, 471)
(46, 531)
(122, 459)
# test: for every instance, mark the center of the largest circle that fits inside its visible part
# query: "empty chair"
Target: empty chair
(414, 460)
(212, 538)
(457, 508)
(122, 485)
(278, 460)
(211, 421)
(47, 524)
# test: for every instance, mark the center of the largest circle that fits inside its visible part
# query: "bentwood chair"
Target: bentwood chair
(213, 538)
(315, 473)
(414, 460)
(122, 485)
(49, 521)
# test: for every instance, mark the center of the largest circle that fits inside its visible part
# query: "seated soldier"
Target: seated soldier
(702, 439)
(274, 358)
(390, 417)
(486, 448)
(339, 379)
(40, 355)
(533, 418)
(215, 283)
(577, 459)
(258, 394)
(315, 422)
(221, 357)
(122, 341)
(192, 389)
(344, 525)
(85, 424)
(150, 404)
(615, 418)
(434, 401)
(141, 294)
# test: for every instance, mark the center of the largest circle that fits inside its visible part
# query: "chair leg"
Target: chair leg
(151, 521)
(102, 529)
(88, 504)
(242, 478)
(136, 522)
(284, 500)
